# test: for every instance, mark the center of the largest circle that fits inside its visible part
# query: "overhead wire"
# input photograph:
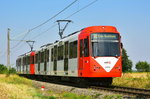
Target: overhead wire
(82, 9)
(86, 6)
(54, 15)
(45, 22)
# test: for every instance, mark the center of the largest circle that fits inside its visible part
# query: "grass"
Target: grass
(115, 96)
(15, 87)
(75, 96)
(137, 80)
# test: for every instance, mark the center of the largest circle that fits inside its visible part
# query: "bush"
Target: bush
(143, 66)
(12, 71)
(3, 69)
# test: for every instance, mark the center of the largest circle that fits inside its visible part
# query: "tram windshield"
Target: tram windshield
(105, 44)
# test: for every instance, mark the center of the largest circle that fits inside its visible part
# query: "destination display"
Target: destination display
(104, 36)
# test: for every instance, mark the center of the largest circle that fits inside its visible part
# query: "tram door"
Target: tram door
(83, 54)
(66, 58)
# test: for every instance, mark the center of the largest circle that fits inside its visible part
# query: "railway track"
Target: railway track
(140, 93)
(117, 89)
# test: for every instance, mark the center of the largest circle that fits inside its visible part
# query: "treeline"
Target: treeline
(4, 70)
(141, 66)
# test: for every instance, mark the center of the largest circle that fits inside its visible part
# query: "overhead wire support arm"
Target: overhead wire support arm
(61, 31)
(30, 43)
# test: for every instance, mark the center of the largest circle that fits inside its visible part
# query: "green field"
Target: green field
(15, 87)
(137, 80)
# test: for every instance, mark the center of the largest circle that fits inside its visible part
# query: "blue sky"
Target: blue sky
(130, 17)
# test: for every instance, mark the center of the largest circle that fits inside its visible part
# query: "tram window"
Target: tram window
(81, 47)
(86, 47)
(43, 55)
(52, 52)
(24, 61)
(73, 50)
(39, 57)
(28, 60)
(60, 52)
(66, 49)
(55, 52)
(47, 55)
(36, 58)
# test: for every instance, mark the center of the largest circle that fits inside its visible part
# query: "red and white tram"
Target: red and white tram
(92, 54)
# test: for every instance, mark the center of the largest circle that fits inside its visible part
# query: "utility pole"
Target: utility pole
(8, 48)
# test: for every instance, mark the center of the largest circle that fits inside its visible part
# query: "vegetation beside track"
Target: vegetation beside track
(15, 87)
(136, 80)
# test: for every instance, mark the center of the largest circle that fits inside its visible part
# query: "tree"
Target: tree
(143, 66)
(3, 69)
(126, 63)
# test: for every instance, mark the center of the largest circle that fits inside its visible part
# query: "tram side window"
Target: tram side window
(28, 60)
(47, 55)
(55, 52)
(23, 61)
(86, 47)
(39, 57)
(42, 56)
(66, 50)
(52, 54)
(60, 52)
(73, 49)
(36, 58)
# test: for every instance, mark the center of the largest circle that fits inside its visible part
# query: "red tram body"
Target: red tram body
(32, 65)
(92, 53)
(97, 66)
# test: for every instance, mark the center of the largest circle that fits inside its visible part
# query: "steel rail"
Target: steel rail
(138, 92)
